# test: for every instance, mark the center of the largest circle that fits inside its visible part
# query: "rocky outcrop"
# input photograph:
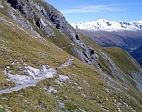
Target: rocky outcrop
(26, 75)
(22, 21)
(135, 76)
(70, 62)
(34, 76)
(49, 17)
(138, 79)
(112, 66)
(88, 54)
(20, 5)
(44, 27)
(1, 6)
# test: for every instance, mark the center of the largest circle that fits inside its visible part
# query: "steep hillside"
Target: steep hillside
(45, 65)
(44, 20)
(137, 54)
(127, 40)
(126, 35)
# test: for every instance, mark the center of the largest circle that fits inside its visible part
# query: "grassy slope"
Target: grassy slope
(124, 62)
(137, 54)
(16, 45)
(120, 57)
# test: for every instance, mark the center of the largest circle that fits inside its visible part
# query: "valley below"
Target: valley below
(128, 40)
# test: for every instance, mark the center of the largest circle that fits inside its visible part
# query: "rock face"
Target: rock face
(22, 21)
(43, 26)
(138, 79)
(47, 18)
(20, 5)
(48, 23)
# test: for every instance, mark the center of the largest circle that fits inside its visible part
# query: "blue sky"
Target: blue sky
(91, 10)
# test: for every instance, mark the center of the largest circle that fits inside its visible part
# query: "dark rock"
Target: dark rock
(50, 17)
(85, 54)
(92, 52)
(44, 27)
(77, 37)
(19, 5)
(32, 12)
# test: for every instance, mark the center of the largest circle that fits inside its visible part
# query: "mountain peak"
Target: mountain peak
(106, 25)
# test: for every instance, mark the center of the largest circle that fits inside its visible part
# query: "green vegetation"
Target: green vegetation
(84, 90)
(122, 59)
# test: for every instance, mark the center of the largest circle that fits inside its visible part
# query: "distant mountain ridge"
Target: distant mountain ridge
(126, 35)
(106, 25)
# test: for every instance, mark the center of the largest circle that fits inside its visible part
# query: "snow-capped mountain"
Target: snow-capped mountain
(106, 25)
(46, 65)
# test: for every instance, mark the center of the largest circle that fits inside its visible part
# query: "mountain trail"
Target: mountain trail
(35, 76)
